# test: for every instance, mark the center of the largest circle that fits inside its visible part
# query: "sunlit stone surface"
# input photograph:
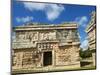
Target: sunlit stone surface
(38, 46)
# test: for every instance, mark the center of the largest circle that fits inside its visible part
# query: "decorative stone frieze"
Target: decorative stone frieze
(47, 45)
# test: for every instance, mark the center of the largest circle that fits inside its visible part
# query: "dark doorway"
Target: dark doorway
(47, 58)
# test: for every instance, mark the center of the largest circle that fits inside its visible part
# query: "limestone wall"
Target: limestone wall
(26, 58)
(30, 46)
(67, 55)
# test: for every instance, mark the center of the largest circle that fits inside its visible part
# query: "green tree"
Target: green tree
(85, 54)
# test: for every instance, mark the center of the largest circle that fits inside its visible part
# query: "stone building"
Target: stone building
(41, 46)
(91, 31)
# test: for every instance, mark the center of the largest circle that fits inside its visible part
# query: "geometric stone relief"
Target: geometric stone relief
(47, 36)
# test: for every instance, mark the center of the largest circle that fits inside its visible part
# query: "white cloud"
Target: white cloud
(52, 11)
(82, 21)
(24, 19)
(34, 6)
(85, 44)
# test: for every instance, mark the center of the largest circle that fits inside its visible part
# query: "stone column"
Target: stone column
(53, 58)
(42, 59)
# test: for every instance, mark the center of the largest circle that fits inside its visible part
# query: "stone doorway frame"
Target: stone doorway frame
(51, 58)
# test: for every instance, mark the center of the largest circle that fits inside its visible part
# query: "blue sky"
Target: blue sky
(24, 12)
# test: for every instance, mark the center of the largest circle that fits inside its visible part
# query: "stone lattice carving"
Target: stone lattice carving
(47, 36)
(64, 58)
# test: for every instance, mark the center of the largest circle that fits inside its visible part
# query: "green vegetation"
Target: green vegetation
(85, 54)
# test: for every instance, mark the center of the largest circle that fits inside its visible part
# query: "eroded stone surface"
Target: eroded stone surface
(32, 42)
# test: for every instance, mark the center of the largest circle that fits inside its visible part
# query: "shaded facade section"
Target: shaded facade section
(91, 31)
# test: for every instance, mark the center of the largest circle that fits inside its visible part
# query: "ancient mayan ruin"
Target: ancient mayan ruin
(38, 46)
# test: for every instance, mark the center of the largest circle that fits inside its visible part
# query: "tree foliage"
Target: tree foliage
(85, 54)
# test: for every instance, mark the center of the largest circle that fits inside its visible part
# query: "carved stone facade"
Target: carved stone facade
(45, 45)
(91, 31)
